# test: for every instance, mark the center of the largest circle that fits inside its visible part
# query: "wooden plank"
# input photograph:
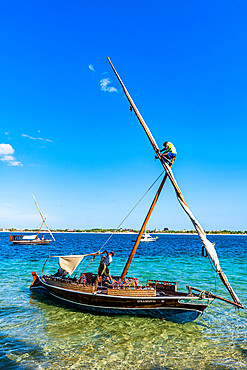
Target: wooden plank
(132, 292)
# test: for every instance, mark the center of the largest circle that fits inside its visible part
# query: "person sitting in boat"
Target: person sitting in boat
(169, 152)
(61, 273)
(43, 237)
(103, 267)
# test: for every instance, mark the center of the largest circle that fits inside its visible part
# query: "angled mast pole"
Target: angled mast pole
(40, 228)
(125, 270)
(44, 220)
(207, 244)
(148, 132)
(138, 114)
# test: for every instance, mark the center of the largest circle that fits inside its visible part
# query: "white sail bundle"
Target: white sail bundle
(207, 244)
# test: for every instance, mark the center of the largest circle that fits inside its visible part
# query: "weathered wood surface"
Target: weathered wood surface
(161, 285)
(132, 292)
(70, 285)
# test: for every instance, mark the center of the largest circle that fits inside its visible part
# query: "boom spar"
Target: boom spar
(207, 244)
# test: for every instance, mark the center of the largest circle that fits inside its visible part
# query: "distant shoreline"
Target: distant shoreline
(118, 232)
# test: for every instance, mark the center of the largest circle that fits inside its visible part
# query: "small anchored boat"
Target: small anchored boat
(146, 237)
(28, 239)
(32, 239)
(125, 295)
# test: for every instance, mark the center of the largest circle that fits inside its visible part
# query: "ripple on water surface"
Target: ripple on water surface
(38, 333)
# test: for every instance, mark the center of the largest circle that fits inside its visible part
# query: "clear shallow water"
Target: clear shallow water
(36, 333)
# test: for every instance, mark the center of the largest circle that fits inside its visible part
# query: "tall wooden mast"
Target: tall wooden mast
(125, 270)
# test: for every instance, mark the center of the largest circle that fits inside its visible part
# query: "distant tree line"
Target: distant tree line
(164, 231)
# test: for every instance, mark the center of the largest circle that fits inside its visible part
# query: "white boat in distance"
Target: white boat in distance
(148, 238)
(32, 239)
(28, 239)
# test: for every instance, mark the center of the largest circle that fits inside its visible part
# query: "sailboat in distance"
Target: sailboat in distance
(33, 239)
(125, 295)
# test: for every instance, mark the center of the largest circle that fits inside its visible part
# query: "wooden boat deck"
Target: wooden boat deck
(154, 288)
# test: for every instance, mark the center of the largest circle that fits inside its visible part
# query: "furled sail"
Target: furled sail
(207, 244)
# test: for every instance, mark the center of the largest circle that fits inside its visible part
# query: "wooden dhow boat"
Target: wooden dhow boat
(127, 296)
(28, 239)
(32, 239)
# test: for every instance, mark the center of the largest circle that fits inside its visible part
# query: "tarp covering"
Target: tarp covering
(69, 263)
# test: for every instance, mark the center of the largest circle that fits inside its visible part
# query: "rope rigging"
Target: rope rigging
(125, 218)
(132, 210)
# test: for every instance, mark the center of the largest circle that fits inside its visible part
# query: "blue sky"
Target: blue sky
(67, 134)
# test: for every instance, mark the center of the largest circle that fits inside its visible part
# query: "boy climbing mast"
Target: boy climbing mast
(169, 152)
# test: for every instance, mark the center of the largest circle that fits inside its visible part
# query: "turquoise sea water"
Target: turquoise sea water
(36, 333)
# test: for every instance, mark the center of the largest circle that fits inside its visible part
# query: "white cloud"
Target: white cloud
(7, 158)
(14, 163)
(6, 155)
(36, 138)
(6, 149)
(91, 67)
(104, 85)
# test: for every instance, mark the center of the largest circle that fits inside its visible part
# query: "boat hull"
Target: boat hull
(27, 242)
(178, 309)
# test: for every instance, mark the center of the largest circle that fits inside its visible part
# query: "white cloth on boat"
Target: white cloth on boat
(29, 237)
(69, 263)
